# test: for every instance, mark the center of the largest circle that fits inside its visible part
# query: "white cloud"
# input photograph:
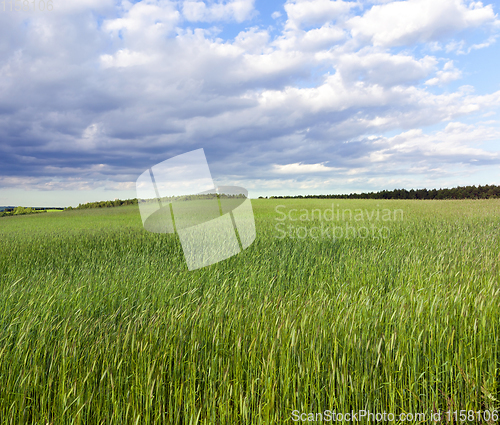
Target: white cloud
(145, 21)
(491, 40)
(237, 10)
(416, 21)
(320, 38)
(312, 41)
(315, 12)
(91, 131)
(384, 69)
(447, 75)
(125, 58)
(253, 41)
(65, 7)
(457, 142)
(299, 168)
(435, 46)
(455, 46)
(349, 111)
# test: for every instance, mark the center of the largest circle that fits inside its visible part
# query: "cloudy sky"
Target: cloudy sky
(285, 97)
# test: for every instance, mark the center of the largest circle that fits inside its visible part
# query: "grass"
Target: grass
(102, 323)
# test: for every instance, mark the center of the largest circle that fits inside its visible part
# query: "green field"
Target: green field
(102, 323)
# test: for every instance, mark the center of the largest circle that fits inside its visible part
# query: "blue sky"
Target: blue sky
(285, 97)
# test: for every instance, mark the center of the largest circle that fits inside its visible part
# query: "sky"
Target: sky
(285, 97)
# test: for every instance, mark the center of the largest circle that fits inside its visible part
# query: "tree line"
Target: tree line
(20, 211)
(460, 192)
(105, 204)
(135, 201)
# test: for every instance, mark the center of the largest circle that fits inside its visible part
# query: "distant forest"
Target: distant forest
(105, 204)
(460, 192)
(134, 201)
(20, 211)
